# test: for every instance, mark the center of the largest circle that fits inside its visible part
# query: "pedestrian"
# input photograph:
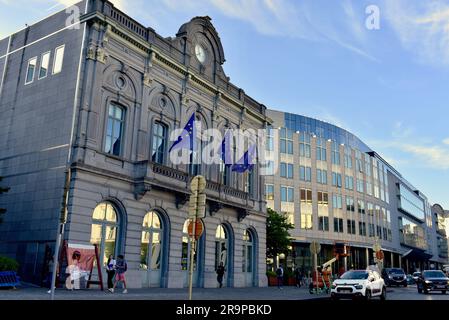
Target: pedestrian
(220, 273)
(121, 267)
(298, 277)
(280, 276)
(110, 270)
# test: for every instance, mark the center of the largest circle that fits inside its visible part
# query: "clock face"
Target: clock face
(200, 53)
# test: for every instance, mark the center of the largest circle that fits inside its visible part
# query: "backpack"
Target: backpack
(279, 271)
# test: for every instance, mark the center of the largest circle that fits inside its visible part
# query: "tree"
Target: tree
(278, 237)
(2, 210)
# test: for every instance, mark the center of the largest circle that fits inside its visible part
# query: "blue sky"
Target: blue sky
(317, 58)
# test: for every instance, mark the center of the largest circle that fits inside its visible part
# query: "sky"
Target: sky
(386, 82)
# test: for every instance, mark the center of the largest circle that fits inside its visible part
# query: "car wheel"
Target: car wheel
(383, 296)
(334, 297)
(368, 295)
(405, 285)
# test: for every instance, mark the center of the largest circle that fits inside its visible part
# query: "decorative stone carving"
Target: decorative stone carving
(140, 189)
(101, 55)
(91, 52)
(181, 199)
(147, 79)
(242, 214)
(214, 207)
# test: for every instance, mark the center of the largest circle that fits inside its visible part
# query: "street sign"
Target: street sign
(197, 205)
(198, 229)
(315, 247)
(198, 184)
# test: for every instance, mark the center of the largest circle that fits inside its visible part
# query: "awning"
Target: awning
(416, 254)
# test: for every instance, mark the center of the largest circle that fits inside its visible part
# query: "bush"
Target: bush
(8, 264)
(271, 274)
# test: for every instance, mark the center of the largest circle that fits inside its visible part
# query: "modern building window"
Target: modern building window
(151, 242)
(58, 59)
(411, 234)
(369, 188)
(159, 142)
(305, 195)
(321, 176)
(305, 173)
(323, 198)
(358, 161)
(287, 194)
(104, 230)
(269, 192)
(304, 145)
(45, 60)
(336, 179)
(371, 229)
(368, 165)
(350, 224)
(221, 247)
(306, 220)
(114, 130)
(321, 149)
(370, 207)
(410, 202)
(348, 158)
(336, 201)
(287, 170)
(323, 223)
(338, 225)
(362, 229)
(270, 168)
(379, 232)
(286, 141)
(335, 153)
(350, 204)
(247, 252)
(360, 185)
(361, 206)
(31, 68)
(349, 183)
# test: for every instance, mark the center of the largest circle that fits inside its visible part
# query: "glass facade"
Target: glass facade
(411, 203)
(411, 234)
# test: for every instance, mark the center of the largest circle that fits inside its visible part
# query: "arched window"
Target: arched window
(104, 230)
(151, 244)
(158, 148)
(248, 245)
(221, 246)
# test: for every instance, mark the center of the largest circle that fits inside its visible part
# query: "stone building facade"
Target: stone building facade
(106, 117)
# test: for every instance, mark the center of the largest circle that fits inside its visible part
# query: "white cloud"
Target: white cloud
(434, 156)
(422, 28)
(446, 141)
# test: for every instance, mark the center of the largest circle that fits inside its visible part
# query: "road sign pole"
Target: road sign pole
(192, 253)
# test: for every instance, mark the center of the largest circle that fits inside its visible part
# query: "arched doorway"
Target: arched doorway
(249, 257)
(224, 252)
(152, 264)
(198, 263)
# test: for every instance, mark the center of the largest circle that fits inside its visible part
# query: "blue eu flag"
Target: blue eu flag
(185, 139)
(247, 161)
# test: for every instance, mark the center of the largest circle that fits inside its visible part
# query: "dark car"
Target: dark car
(433, 280)
(394, 276)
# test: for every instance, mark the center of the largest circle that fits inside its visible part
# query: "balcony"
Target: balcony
(151, 175)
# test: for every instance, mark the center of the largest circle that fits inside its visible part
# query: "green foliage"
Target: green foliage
(2, 210)
(8, 264)
(278, 237)
(271, 273)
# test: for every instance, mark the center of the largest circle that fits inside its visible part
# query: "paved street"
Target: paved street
(270, 293)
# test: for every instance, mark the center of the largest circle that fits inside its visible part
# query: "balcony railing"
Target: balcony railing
(158, 175)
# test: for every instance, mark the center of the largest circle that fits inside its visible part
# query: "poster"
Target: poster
(80, 260)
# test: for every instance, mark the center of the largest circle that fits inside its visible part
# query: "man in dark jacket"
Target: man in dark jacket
(220, 273)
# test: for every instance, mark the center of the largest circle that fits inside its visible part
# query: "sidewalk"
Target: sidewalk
(268, 293)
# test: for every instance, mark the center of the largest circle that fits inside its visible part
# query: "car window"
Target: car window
(434, 274)
(399, 271)
(355, 275)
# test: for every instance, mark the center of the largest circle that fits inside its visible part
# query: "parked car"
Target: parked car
(416, 276)
(359, 284)
(394, 276)
(433, 280)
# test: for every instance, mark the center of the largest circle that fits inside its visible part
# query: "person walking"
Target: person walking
(280, 276)
(121, 267)
(298, 277)
(110, 270)
(220, 273)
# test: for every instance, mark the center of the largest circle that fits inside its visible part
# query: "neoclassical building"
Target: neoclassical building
(100, 99)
